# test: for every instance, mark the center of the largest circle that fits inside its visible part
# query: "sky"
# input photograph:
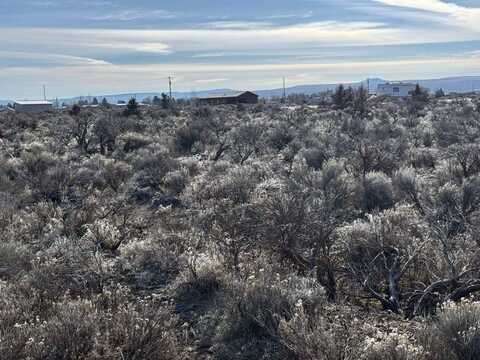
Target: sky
(92, 47)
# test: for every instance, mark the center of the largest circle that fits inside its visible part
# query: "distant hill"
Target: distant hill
(113, 99)
(461, 84)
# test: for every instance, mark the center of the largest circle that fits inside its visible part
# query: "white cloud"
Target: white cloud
(50, 59)
(456, 15)
(68, 3)
(210, 81)
(304, 15)
(76, 54)
(427, 5)
(129, 14)
(101, 43)
(237, 25)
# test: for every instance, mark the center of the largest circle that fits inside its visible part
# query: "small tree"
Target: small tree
(105, 102)
(342, 98)
(75, 110)
(360, 102)
(94, 101)
(132, 107)
(156, 100)
(106, 131)
(165, 101)
(418, 100)
(439, 93)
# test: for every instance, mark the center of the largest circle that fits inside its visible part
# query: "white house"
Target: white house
(33, 107)
(397, 89)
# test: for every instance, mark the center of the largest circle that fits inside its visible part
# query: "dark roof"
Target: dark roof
(231, 95)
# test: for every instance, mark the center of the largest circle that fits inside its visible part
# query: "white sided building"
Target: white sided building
(396, 89)
(33, 107)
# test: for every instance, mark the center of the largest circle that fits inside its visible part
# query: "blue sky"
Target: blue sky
(80, 47)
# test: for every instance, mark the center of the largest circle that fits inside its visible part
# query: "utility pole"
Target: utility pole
(368, 86)
(44, 93)
(170, 86)
(284, 91)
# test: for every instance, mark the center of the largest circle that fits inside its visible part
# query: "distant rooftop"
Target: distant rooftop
(225, 95)
(399, 83)
(33, 102)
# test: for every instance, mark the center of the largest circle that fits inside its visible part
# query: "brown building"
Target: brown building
(245, 97)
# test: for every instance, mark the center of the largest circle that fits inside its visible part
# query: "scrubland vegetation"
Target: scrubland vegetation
(347, 231)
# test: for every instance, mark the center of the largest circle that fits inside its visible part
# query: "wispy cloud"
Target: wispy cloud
(103, 45)
(66, 3)
(454, 14)
(237, 25)
(210, 81)
(426, 5)
(103, 42)
(305, 15)
(117, 78)
(128, 15)
(210, 55)
(50, 59)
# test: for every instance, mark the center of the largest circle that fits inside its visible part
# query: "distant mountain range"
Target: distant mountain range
(460, 84)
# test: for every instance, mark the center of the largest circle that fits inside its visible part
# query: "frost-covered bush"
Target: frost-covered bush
(376, 192)
(455, 333)
(300, 231)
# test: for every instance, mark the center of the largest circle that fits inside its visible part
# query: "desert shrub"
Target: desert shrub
(15, 311)
(54, 185)
(7, 209)
(175, 181)
(280, 136)
(83, 329)
(247, 139)
(151, 167)
(106, 130)
(197, 292)
(257, 311)
(47, 175)
(455, 333)
(314, 338)
(251, 325)
(150, 263)
(393, 346)
(236, 184)
(185, 138)
(132, 141)
(406, 186)
(292, 233)
(315, 157)
(101, 173)
(378, 253)
(116, 174)
(103, 234)
(68, 334)
(14, 259)
(66, 267)
(376, 192)
(423, 158)
(138, 332)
